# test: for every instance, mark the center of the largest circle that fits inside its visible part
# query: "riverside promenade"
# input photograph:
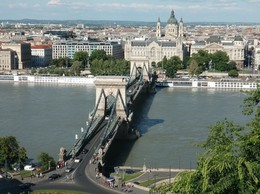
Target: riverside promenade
(157, 175)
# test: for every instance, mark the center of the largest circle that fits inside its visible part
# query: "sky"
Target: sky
(133, 10)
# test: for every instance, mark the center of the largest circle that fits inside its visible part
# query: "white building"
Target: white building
(68, 48)
(41, 55)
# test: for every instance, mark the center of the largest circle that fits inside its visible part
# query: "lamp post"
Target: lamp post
(49, 164)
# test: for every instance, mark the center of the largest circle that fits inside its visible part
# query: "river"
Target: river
(45, 117)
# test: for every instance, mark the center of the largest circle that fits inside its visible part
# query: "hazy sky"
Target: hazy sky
(133, 10)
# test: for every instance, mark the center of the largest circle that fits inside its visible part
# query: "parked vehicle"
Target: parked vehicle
(54, 176)
(77, 160)
(68, 169)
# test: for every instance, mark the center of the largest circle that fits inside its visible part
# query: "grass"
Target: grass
(56, 192)
(128, 177)
(150, 182)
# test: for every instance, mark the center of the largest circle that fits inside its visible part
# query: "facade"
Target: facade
(235, 48)
(23, 53)
(168, 42)
(41, 55)
(68, 48)
(256, 54)
(8, 60)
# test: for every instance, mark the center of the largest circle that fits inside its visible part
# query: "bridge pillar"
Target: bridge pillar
(110, 86)
(142, 65)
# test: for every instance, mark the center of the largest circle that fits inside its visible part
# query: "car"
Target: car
(84, 151)
(54, 176)
(68, 169)
(129, 171)
(77, 160)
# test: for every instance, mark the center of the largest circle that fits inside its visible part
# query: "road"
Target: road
(75, 180)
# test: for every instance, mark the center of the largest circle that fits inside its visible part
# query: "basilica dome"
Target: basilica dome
(172, 19)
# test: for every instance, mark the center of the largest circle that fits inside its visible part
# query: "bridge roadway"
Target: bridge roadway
(83, 176)
(79, 178)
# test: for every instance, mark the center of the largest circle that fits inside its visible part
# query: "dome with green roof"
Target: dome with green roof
(172, 19)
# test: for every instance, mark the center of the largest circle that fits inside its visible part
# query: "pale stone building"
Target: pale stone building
(234, 48)
(8, 59)
(168, 42)
(23, 53)
(256, 54)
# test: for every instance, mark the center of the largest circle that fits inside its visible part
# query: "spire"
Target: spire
(172, 14)
(159, 19)
(181, 20)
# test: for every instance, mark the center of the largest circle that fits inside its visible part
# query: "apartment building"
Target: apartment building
(41, 55)
(68, 48)
(23, 53)
(8, 60)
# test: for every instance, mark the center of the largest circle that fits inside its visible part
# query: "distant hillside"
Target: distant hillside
(111, 22)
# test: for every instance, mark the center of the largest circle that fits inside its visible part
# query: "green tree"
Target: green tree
(220, 60)
(98, 54)
(11, 152)
(81, 56)
(46, 161)
(61, 62)
(172, 65)
(76, 68)
(233, 73)
(194, 68)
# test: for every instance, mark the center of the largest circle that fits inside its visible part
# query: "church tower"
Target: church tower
(158, 29)
(181, 28)
(172, 28)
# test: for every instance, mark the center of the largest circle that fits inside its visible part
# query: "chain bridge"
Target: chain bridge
(112, 115)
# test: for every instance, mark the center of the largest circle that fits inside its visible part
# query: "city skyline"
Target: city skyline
(133, 10)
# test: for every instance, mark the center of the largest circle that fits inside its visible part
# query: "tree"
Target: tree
(47, 162)
(194, 68)
(220, 60)
(76, 68)
(81, 56)
(172, 65)
(98, 54)
(11, 152)
(233, 73)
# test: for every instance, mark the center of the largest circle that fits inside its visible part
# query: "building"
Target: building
(68, 48)
(23, 53)
(8, 60)
(235, 48)
(41, 55)
(168, 42)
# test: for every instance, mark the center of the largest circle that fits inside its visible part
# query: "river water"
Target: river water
(45, 117)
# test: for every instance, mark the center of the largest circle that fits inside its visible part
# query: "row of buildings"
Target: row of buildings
(142, 45)
(22, 55)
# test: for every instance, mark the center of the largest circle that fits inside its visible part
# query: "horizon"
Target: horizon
(229, 11)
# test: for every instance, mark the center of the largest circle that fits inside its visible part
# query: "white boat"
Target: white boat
(215, 84)
(48, 79)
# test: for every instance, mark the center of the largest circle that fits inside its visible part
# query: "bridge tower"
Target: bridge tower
(140, 67)
(109, 89)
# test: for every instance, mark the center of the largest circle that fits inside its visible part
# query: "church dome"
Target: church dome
(172, 19)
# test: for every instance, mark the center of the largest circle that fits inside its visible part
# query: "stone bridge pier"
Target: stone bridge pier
(109, 88)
